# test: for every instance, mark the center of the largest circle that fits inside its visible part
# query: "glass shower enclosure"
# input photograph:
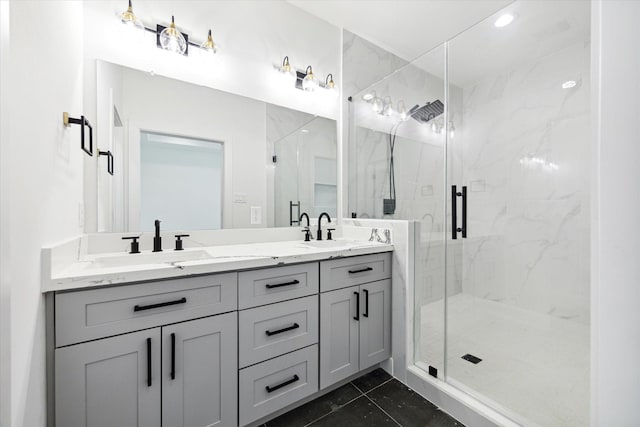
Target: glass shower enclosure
(484, 142)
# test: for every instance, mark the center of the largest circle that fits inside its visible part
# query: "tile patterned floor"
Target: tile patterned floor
(374, 399)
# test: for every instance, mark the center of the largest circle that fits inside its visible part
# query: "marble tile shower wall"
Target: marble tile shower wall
(524, 154)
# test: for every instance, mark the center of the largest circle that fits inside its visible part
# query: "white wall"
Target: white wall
(5, 260)
(615, 226)
(45, 184)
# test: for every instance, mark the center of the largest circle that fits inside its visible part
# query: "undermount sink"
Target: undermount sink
(327, 243)
(149, 258)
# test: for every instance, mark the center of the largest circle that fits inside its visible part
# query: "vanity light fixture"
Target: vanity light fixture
(329, 83)
(452, 130)
(309, 83)
(168, 38)
(208, 45)
(376, 105)
(173, 40)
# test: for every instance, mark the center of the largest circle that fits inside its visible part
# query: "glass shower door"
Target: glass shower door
(517, 305)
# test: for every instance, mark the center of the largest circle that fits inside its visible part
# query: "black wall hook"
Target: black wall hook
(82, 121)
(109, 160)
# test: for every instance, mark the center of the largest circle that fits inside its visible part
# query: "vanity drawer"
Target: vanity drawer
(275, 329)
(269, 285)
(345, 272)
(97, 313)
(276, 383)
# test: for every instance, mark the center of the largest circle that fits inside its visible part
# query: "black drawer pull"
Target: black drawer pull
(162, 304)
(277, 285)
(279, 331)
(362, 270)
(271, 389)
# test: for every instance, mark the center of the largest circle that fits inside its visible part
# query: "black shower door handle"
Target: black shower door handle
(454, 212)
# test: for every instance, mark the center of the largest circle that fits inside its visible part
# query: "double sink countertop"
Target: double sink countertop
(90, 270)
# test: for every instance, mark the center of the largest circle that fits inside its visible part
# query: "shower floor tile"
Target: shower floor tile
(534, 367)
(374, 399)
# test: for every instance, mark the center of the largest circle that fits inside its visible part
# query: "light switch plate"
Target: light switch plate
(256, 215)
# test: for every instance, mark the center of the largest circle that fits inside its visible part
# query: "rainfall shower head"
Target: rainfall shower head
(428, 111)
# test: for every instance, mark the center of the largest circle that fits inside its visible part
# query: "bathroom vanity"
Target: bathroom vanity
(231, 347)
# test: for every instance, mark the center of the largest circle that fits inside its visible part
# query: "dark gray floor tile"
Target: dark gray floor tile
(371, 380)
(409, 408)
(359, 413)
(315, 409)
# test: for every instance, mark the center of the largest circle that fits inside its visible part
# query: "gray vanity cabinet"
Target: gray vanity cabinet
(355, 315)
(375, 323)
(339, 331)
(199, 372)
(110, 382)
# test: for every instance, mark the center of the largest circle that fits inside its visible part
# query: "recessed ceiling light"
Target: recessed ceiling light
(504, 20)
(568, 84)
(305, 131)
(369, 96)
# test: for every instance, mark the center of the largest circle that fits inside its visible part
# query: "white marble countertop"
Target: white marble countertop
(120, 268)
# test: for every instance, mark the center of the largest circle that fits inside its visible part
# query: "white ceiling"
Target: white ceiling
(407, 28)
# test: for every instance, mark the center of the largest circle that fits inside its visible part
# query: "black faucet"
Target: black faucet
(157, 240)
(320, 223)
(307, 233)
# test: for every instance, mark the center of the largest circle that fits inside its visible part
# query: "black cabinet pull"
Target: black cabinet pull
(148, 362)
(362, 270)
(173, 356)
(161, 304)
(279, 331)
(271, 389)
(366, 303)
(357, 316)
(277, 285)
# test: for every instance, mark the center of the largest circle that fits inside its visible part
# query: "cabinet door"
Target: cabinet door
(375, 323)
(200, 372)
(109, 382)
(338, 335)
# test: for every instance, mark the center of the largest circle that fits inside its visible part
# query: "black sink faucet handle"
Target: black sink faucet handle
(323, 214)
(179, 241)
(157, 240)
(135, 246)
(329, 230)
(307, 234)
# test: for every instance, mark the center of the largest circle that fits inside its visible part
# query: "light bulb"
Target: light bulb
(208, 45)
(376, 104)
(434, 128)
(130, 19)
(402, 111)
(387, 109)
(288, 73)
(172, 40)
(309, 83)
(452, 130)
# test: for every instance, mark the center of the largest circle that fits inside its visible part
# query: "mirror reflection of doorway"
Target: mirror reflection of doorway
(181, 182)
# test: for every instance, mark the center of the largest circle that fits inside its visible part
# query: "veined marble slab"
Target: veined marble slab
(90, 270)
